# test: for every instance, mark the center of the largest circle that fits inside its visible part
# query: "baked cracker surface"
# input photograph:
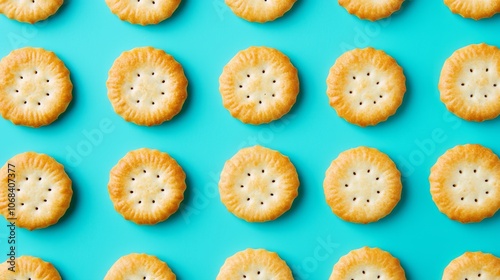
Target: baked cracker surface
(259, 85)
(254, 264)
(465, 183)
(366, 86)
(260, 10)
(139, 266)
(470, 82)
(258, 184)
(42, 188)
(36, 87)
(147, 186)
(362, 185)
(146, 86)
(368, 263)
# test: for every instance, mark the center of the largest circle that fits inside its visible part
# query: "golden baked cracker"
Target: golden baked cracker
(253, 264)
(465, 183)
(371, 9)
(366, 86)
(147, 186)
(143, 12)
(473, 265)
(368, 263)
(470, 82)
(476, 9)
(42, 188)
(259, 85)
(30, 268)
(35, 88)
(139, 266)
(258, 184)
(147, 86)
(362, 185)
(29, 11)
(260, 10)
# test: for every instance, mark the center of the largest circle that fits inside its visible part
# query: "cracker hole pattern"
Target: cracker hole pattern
(241, 86)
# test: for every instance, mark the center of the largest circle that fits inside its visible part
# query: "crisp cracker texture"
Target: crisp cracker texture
(470, 83)
(139, 266)
(258, 184)
(362, 185)
(30, 268)
(147, 186)
(43, 190)
(368, 263)
(29, 11)
(472, 266)
(259, 85)
(371, 9)
(465, 183)
(366, 86)
(254, 264)
(35, 88)
(147, 86)
(476, 9)
(260, 10)
(143, 12)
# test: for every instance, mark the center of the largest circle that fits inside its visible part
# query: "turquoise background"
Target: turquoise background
(204, 35)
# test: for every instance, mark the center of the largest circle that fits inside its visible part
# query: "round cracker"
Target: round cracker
(366, 86)
(36, 87)
(476, 9)
(473, 265)
(147, 86)
(147, 186)
(143, 12)
(371, 9)
(362, 185)
(368, 263)
(42, 188)
(258, 184)
(259, 85)
(255, 264)
(139, 266)
(260, 10)
(29, 11)
(470, 83)
(465, 183)
(28, 267)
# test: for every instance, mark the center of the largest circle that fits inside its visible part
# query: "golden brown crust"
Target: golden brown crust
(147, 86)
(362, 185)
(473, 265)
(139, 266)
(476, 9)
(29, 11)
(258, 184)
(465, 183)
(366, 86)
(368, 263)
(255, 264)
(259, 85)
(469, 82)
(43, 190)
(28, 267)
(147, 186)
(36, 87)
(260, 10)
(143, 12)
(371, 9)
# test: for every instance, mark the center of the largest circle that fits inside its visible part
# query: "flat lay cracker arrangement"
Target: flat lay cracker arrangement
(249, 139)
